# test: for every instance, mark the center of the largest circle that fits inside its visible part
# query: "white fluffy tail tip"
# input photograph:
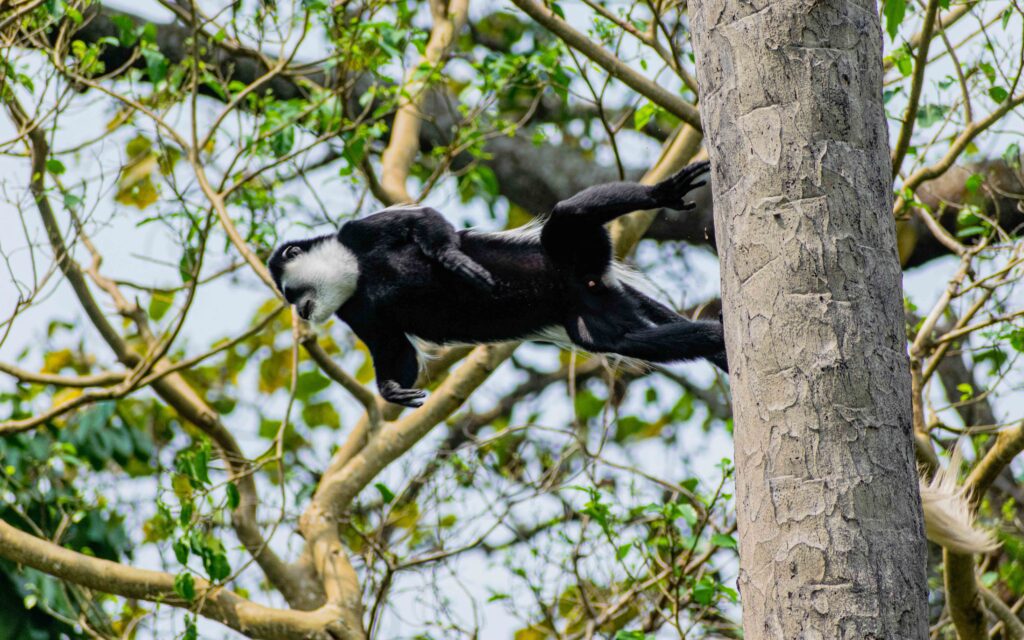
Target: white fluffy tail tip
(948, 520)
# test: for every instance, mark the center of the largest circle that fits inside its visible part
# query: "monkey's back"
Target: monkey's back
(529, 294)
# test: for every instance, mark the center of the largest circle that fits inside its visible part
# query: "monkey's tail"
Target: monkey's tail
(948, 518)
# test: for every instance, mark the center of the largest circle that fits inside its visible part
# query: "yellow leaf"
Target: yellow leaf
(405, 516)
(365, 372)
(135, 185)
(530, 633)
(140, 195)
(66, 394)
(182, 487)
(54, 361)
(122, 116)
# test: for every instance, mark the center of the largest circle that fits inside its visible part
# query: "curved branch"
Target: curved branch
(214, 602)
(998, 608)
(104, 379)
(962, 597)
(172, 389)
(449, 18)
(610, 63)
(920, 65)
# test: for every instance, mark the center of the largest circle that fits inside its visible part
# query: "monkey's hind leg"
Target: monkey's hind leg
(674, 341)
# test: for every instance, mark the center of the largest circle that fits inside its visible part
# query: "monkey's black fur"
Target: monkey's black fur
(419, 277)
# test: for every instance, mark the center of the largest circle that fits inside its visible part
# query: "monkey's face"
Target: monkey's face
(316, 275)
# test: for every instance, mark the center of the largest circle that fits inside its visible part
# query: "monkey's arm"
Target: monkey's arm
(427, 228)
(395, 365)
(603, 203)
(438, 241)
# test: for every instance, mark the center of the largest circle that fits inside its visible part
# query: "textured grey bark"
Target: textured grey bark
(831, 532)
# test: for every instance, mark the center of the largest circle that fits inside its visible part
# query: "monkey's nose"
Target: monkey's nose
(294, 294)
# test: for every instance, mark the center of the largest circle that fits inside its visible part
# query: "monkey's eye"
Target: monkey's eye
(291, 252)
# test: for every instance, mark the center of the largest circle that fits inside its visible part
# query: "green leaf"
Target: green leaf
(622, 551)
(894, 12)
(902, 60)
(217, 566)
(187, 264)
(159, 304)
(156, 65)
(999, 94)
(385, 494)
(687, 513)
(1012, 155)
(282, 141)
(200, 464)
(233, 497)
(55, 166)
(185, 586)
(310, 383)
(644, 114)
(988, 70)
(633, 635)
(1017, 340)
(974, 182)
(321, 414)
(967, 232)
(126, 32)
(704, 591)
(723, 540)
(149, 33)
(180, 551)
(71, 201)
(929, 114)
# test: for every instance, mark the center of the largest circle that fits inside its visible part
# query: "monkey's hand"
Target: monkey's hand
(396, 394)
(467, 268)
(670, 193)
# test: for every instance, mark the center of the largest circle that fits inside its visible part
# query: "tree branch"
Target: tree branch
(962, 597)
(610, 63)
(214, 602)
(449, 17)
(920, 65)
(172, 388)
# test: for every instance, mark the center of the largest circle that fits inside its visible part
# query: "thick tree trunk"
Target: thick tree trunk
(831, 533)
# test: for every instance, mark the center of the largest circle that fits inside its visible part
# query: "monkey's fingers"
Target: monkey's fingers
(396, 394)
(467, 268)
(672, 190)
(474, 272)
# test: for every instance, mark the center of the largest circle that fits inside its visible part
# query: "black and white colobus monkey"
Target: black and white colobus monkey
(406, 272)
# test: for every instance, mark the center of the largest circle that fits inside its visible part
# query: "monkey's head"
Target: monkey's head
(317, 275)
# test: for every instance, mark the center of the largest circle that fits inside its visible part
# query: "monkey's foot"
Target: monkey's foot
(468, 269)
(396, 394)
(670, 192)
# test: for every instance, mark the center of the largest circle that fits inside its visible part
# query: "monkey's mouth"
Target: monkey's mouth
(306, 310)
